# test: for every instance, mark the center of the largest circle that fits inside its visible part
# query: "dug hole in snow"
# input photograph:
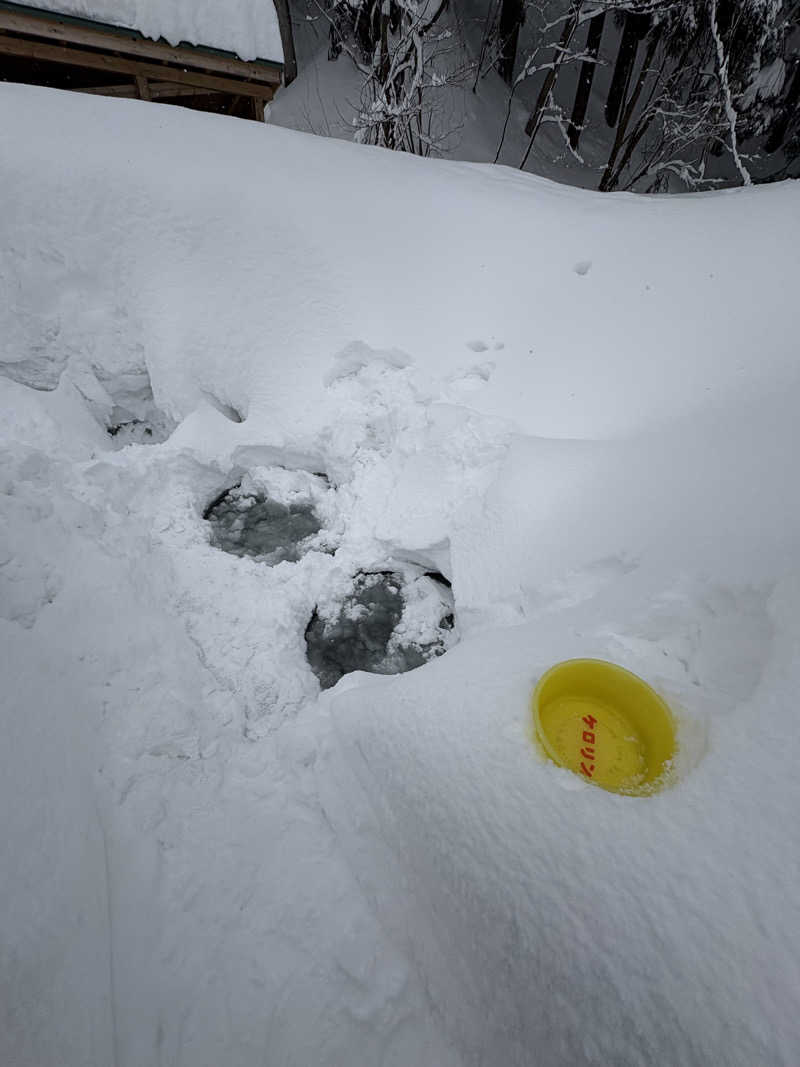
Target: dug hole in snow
(242, 868)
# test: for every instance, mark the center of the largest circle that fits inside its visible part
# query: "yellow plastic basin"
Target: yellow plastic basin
(606, 725)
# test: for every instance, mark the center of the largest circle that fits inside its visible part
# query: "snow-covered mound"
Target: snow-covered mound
(247, 27)
(579, 410)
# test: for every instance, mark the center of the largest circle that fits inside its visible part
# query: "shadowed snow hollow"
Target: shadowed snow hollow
(245, 523)
(385, 626)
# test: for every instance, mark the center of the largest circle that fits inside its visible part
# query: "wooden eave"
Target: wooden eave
(48, 36)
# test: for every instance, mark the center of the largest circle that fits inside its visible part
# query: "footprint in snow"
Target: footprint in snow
(474, 377)
(478, 346)
(583, 267)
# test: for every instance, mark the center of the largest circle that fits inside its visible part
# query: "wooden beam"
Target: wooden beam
(287, 41)
(143, 87)
(157, 90)
(112, 64)
(108, 40)
(126, 90)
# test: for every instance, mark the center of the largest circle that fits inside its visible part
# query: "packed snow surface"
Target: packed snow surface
(247, 27)
(580, 410)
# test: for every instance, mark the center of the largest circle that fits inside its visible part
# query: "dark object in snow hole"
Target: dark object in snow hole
(214, 504)
(135, 419)
(368, 633)
(251, 524)
(437, 576)
(135, 431)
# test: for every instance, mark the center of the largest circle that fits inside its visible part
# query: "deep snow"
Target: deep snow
(579, 409)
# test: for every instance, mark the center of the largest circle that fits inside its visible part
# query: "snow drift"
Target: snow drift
(578, 409)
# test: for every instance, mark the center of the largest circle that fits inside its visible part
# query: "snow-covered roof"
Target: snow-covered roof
(247, 27)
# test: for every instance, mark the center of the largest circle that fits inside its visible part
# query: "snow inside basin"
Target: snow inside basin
(606, 725)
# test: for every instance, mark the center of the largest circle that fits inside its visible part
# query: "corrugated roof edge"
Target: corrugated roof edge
(132, 35)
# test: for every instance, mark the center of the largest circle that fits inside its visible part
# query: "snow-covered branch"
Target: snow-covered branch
(730, 111)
